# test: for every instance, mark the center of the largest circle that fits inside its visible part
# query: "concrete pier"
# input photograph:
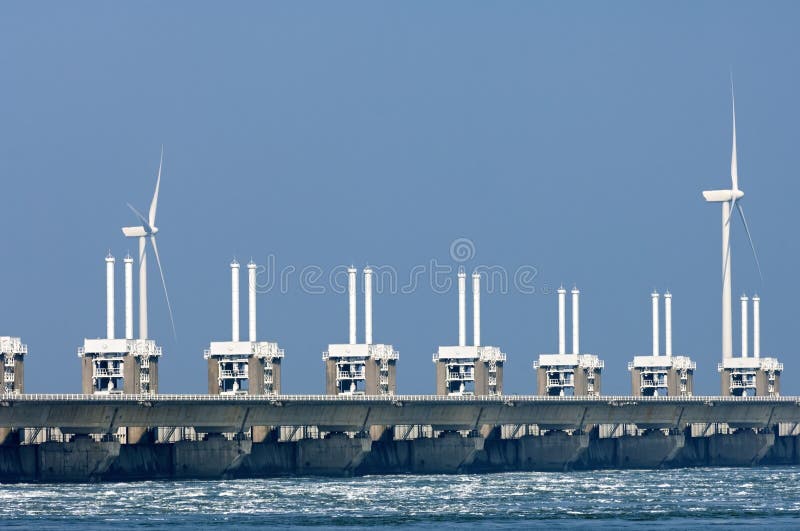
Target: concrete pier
(91, 438)
(217, 457)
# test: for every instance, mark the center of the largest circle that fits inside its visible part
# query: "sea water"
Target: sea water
(683, 498)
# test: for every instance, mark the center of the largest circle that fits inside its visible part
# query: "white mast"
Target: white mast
(668, 324)
(368, 305)
(575, 322)
(654, 298)
(110, 296)
(462, 308)
(756, 326)
(351, 287)
(476, 309)
(128, 297)
(234, 300)
(744, 300)
(251, 301)
(562, 325)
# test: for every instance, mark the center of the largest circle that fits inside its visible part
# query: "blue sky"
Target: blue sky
(572, 138)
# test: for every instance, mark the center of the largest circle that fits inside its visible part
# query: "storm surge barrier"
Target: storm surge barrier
(57, 437)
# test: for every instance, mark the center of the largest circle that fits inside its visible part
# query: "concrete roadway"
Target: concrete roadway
(210, 413)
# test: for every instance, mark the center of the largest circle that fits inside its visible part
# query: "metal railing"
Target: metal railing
(616, 400)
(113, 372)
(350, 375)
(232, 374)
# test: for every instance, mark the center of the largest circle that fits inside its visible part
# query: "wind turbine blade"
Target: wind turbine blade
(164, 283)
(734, 162)
(730, 213)
(139, 215)
(752, 245)
(154, 203)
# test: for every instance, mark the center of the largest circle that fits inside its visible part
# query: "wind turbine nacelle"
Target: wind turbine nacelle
(134, 232)
(721, 196)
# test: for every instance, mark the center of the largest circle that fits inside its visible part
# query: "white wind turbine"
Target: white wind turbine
(148, 229)
(729, 198)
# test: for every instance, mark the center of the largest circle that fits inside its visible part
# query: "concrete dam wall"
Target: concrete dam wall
(58, 438)
(216, 457)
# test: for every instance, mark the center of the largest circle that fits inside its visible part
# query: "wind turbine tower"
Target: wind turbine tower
(743, 375)
(115, 365)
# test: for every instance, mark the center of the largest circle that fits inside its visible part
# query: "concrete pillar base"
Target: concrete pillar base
(447, 454)
(651, 450)
(335, 455)
(555, 450)
(83, 459)
(742, 448)
(138, 435)
(215, 457)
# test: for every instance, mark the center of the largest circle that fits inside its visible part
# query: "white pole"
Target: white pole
(128, 297)
(110, 296)
(756, 326)
(576, 331)
(727, 319)
(668, 323)
(142, 288)
(654, 299)
(234, 300)
(351, 287)
(368, 305)
(462, 308)
(476, 309)
(744, 300)
(251, 301)
(562, 325)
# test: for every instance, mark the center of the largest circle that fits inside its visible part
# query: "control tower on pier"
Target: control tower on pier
(360, 368)
(114, 365)
(658, 375)
(750, 375)
(12, 355)
(565, 374)
(469, 370)
(244, 367)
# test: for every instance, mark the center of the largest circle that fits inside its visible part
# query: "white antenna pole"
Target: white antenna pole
(368, 305)
(668, 323)
(745, 341)
(756, 326)
(462, 308)
(351, 287)
(110, 296)
(576, 331)
(562, 324)
(128, 297)
(234, 300)
(251, 301)
(142, 288)
(654, 298)
(476, 309)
